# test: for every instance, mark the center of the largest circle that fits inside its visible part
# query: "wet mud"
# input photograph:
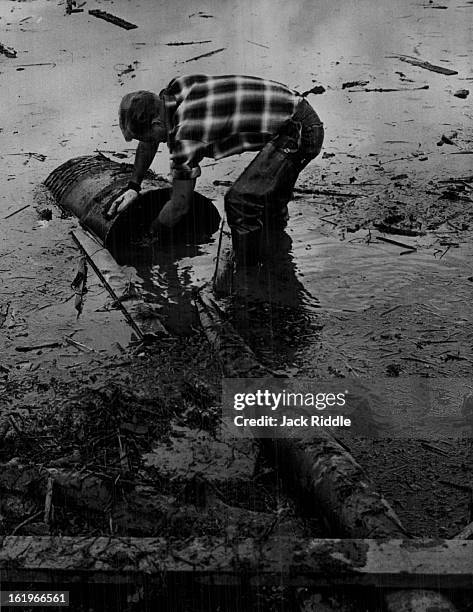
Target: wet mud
(372, 277)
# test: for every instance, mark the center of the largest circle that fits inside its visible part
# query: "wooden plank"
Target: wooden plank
(426, 65)
(287, 561)
(112, 19)
(116, 279)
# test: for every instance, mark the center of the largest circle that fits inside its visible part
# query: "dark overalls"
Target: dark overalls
(258, 199)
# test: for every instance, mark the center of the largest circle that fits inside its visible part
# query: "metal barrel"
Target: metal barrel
(86, 187)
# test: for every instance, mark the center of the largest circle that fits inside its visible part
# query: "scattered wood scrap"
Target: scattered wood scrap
(16, 211)
(329, 192)
(112, 19)
(193, 59)
(8, 51)
(257, 44)
(399, 230)
(424, 64)
(354, 84)
(35, 347)
(21, 66)
(318, 89)
(396, 243)
(192, 42)
(39, 156)
(388, 89)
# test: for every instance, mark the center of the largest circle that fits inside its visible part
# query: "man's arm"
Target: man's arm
(145, 152)
(179, 204)
(182, 191)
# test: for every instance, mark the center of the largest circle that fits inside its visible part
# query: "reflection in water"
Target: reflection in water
(271, 308)
(171, 273)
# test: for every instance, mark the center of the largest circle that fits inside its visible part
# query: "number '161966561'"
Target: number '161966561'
(34, 598)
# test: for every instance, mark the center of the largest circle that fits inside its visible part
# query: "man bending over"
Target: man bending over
(216, 116)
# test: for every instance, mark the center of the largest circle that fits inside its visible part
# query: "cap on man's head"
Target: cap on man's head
(137, 111)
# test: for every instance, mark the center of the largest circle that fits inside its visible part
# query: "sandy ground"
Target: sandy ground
(359, 306)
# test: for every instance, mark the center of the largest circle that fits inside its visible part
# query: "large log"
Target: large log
(138, 511)
(290, 562)
(236, 358)
(325, 475)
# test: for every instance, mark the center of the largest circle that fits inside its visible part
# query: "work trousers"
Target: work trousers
(258, 198)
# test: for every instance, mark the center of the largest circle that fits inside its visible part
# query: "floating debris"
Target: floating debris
(193, 59)
(23, 66)
(202, 15)
(257, 44)
(39, 156)
(354, 84)
(424, 64)
(446, 140)
(16, 211)
(35, 347)
(112, 19)
(318, 89)
(8, 51)
(388, 89)
(192, 42)
(396, 243)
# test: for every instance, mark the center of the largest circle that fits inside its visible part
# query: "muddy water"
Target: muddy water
(65, 105)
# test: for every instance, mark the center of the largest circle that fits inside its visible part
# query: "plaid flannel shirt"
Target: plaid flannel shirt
(217, 116)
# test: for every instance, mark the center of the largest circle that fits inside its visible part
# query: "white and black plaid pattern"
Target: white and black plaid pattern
(217, 116)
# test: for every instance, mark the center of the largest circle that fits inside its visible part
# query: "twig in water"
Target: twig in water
(395, 242)
(30, 519)
(258, 44)
(16, 212)
(193, 59)
(192, 42)
(387, 89)
(423, 64)
(390, 310)
(48, 499)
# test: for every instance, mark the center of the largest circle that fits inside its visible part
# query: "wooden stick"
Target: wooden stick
(397, 243)
(193, 59)
(35, 347)
(107, 286)
(16, 211)
(48, 500)
(423, 64)
(112, 19)
(387, 89)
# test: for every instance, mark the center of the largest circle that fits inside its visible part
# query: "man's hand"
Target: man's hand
(121, 203)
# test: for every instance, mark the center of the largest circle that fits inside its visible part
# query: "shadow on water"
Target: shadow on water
(271, 308)
(172, 264)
